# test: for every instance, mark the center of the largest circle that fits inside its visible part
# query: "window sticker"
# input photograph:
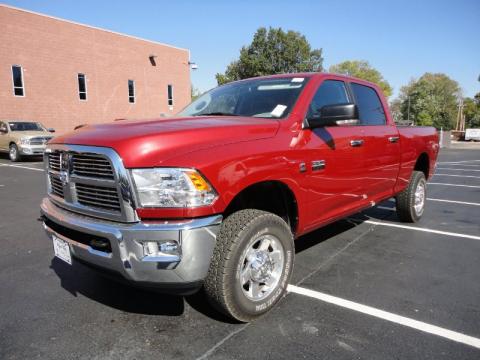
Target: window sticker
(278, 111)
(298, 80)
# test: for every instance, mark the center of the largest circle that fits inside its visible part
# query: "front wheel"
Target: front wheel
(13, 153)
(411, 201)
(251, 265)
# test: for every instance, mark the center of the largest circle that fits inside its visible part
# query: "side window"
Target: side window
(82, 86)
(330, 92)
(370, 107)
(131, 91)
(17, 75)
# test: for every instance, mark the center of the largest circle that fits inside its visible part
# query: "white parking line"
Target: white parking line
(22, 167)
(458, 162)
(454, 202)
(469, 186)
(458, 169)
(388, 316)
(433, 231)
(462, 176)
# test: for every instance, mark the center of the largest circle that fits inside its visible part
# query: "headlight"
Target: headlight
(25, 141)
(172, 187)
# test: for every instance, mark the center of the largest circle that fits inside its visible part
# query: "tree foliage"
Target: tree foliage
(273, 51)
(471, 109)
(362, 70)
(431, 100)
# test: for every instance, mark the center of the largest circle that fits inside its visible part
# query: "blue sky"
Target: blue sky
(402, 39)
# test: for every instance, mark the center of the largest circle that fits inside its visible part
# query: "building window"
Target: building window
(17, 75)
(170, 94)
(131, 91)
(82, 86)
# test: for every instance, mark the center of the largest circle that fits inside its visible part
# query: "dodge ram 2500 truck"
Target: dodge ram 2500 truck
(216, 196)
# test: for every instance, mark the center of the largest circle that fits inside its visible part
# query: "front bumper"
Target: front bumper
(31, 149)
(126, 253)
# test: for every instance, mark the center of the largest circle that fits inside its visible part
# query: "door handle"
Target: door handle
(393, 139)
(356, 143)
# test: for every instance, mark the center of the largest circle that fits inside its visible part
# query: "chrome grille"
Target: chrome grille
(98, 196)
(90, 180)
(41, 140)
(54, 161)
(92, 165)
(56, 186)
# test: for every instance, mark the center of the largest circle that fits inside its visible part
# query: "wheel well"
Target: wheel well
(423, 164)
(271, 196)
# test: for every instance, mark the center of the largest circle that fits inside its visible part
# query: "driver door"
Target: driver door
(335, 161)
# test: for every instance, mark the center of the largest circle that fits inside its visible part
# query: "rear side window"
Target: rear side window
(370, 107)
(330, 92)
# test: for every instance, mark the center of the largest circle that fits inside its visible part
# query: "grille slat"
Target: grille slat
(92, 165)
(57, 186)
(98, 196)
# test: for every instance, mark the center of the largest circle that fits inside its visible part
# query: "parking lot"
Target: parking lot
(367, 287)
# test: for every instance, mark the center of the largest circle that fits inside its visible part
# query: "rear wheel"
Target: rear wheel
(251, 265)
(411, 201)
(13, 153)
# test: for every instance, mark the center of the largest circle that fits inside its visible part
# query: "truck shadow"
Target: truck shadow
(80, 279)
(27, 160)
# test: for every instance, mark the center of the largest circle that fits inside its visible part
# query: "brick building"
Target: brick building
(64, 74)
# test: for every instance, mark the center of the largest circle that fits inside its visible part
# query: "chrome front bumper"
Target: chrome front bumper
(196, 238)
(31, 149)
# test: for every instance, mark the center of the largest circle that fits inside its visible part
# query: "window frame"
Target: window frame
(85, 85)
(350, 87)
(131, 97)
(170, 101)
(22, 78)
(350, 98)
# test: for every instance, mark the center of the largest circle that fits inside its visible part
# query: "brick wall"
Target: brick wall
(52, 52)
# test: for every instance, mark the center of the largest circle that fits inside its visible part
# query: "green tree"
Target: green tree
(194, 93)
(362, 70)
(471, 109)
(273, 51)
(431, 100)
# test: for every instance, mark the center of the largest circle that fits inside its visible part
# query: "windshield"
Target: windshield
(264, 98)
(25, 126)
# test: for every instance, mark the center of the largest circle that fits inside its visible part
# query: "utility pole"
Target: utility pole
(408, 111)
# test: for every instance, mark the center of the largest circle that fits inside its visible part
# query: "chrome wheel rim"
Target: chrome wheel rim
(261, 267)
(13, 153)
(419, 198)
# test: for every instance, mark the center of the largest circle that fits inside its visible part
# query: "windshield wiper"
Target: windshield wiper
(218, 113)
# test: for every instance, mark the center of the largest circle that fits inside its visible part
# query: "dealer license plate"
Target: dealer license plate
(61, 249)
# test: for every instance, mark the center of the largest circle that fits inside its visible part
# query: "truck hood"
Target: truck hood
(149, 143)
(29, 134)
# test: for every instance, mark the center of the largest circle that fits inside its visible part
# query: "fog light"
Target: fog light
(158, 248)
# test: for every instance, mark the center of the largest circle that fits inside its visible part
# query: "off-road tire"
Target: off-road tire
(405, 200)
(222, 286)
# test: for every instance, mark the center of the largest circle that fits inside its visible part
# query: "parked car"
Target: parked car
(23, 138)
(216, 196)
(472, 135)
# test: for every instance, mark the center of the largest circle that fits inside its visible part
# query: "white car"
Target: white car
(472, 135)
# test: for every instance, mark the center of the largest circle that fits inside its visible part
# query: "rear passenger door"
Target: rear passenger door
(381, 143)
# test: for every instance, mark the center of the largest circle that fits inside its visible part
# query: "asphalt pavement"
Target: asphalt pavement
(367, 287)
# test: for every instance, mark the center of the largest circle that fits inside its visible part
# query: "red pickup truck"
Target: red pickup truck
(216, 196)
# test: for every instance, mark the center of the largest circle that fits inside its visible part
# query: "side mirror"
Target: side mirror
(330, 114)
(52, 130)
(3, 131)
